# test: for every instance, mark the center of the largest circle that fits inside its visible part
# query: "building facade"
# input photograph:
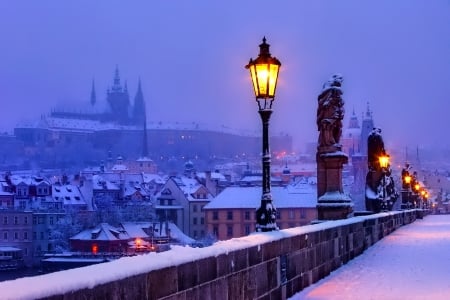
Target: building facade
(233, 212)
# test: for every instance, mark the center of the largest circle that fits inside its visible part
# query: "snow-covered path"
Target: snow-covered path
(411, 263)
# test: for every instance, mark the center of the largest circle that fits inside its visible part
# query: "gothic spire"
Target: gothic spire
(139, 111)
(93, 95)
(145, 144)
(116, 84)
(368, 111)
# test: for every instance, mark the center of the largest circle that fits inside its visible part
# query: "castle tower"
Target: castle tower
(367, 127)
(93, 99)
(118, 100)
(351, 136)
(139, 113)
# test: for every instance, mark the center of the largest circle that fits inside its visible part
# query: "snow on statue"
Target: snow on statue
(330, 112)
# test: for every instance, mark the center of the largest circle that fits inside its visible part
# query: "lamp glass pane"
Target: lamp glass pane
(273, 79)
(262, 74)
(254, 79)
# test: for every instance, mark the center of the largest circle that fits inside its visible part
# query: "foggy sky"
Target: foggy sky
(190, 56)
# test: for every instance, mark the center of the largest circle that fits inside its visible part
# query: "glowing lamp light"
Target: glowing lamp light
(94, 249)
(384, 161)
(264, 72)
(417, 187)
(408, 179)
(138, 242)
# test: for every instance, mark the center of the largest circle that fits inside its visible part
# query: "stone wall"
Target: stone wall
(273, 265)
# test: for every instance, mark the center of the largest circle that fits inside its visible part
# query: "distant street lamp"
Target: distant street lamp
(407, 180)
(384, 164)
(264, 73)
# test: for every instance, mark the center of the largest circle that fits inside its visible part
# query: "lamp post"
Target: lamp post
(416, 194)
(384, 164)
(264, 74)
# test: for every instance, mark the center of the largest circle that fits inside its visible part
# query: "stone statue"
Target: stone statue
(375, 148)
(330, 112)
(381, 193)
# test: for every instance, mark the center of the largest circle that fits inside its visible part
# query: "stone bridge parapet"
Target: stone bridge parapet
(271, 265)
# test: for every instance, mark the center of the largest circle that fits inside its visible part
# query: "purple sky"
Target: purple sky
(190, 56)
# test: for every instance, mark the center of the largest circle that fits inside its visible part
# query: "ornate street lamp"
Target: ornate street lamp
(264, 73)
(384, 164)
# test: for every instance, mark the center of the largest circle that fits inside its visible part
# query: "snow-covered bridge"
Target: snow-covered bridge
(411, 263)
(273, 265)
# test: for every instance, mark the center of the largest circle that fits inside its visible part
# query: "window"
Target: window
(42, 235)
(302, 213)
(247, 229)
(229, 231)
(195, 234)
(202, 220)
(229, 215)
(16, 235)
(34, 235)
(34, 220)
(25, 251)
(16, 220)
(5, 220)
(215, 215)
(216, 231)
(51, 220)
(40, 220)
(291, 214)
(194, 221)
(278, 214)
(5, 235)
(247, 215)
(25, 235)
(25, 220)
(194, 208)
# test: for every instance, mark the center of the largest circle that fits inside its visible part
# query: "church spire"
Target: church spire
(116, 84)
(145, 143)
(139, 111)
(353, 120)
(368, 111)
(93, 95)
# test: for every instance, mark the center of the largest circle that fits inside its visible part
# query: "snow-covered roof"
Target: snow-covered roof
(119, 167)
(99, 183)
(28, 180)
(153, 177)
(103, 232)
(300, 195)
(86, 125)
(214, 176)
(258, 178)
(69, 194)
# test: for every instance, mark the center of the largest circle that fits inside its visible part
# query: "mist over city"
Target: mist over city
(190, 58)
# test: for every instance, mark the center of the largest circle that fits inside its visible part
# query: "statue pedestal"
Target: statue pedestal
(332, 203)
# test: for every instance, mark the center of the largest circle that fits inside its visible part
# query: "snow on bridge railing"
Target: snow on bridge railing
(67, 281)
